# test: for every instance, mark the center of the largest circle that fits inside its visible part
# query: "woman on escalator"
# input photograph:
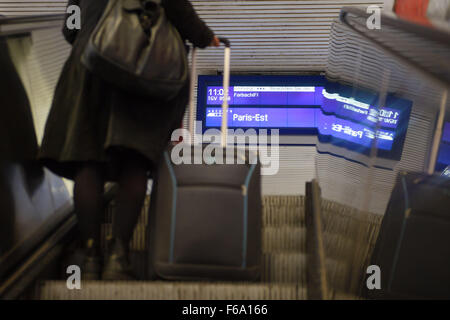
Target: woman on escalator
(96, 133)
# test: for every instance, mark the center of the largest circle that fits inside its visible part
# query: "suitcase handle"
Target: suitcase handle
(225, 41)
(226, 85)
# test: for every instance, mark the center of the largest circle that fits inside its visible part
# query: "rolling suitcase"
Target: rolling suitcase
(412, 249)
(205, 220)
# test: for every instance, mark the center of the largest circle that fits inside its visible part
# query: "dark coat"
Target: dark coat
(89, 118)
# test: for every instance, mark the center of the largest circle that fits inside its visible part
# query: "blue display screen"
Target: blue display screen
(446, 133)
(301, 96)
(265, 95)
(444, 149)
(305, 105)
(327, 125)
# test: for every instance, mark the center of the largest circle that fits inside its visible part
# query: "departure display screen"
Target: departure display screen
(295, 96)
(444, 149)
(306, 105)
(327, 125)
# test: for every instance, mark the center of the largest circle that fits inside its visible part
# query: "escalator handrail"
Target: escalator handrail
(316, 271)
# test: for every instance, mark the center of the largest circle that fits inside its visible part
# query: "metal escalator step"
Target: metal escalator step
(280, 200)
(338, 246)
(337, 273)
(283, 211)
(350, 222)
(291, 268)
(284, 268)
(102, 290)
(286, 238)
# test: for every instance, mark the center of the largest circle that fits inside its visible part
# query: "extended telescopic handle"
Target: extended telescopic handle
(226, 85)
(225, 41)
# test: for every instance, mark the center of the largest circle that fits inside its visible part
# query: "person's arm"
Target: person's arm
(183, 16)
(70, 35)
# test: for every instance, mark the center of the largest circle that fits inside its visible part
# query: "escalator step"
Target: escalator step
(281, 239)
(287, 267)
(57, 290)
(284, 268)
(283, 211)
(347, 221)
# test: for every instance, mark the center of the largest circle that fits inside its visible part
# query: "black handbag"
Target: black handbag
(135, 47)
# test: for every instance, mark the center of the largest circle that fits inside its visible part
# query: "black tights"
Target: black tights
(88, 191)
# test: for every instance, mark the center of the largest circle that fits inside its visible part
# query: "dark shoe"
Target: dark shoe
(117, 265)
(91, 265)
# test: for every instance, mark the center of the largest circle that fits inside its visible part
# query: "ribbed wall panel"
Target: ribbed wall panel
(296, 166)
(31, 7)
(284, 36)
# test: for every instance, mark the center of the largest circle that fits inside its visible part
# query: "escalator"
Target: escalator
(34, 265)
(285, 257)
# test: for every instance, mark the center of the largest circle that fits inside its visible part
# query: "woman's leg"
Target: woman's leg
(132, 188)
(88, 193)
(88, 201)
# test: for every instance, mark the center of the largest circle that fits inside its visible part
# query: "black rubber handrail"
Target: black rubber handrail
(317, 283)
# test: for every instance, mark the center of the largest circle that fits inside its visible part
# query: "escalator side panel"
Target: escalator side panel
(33, 201)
